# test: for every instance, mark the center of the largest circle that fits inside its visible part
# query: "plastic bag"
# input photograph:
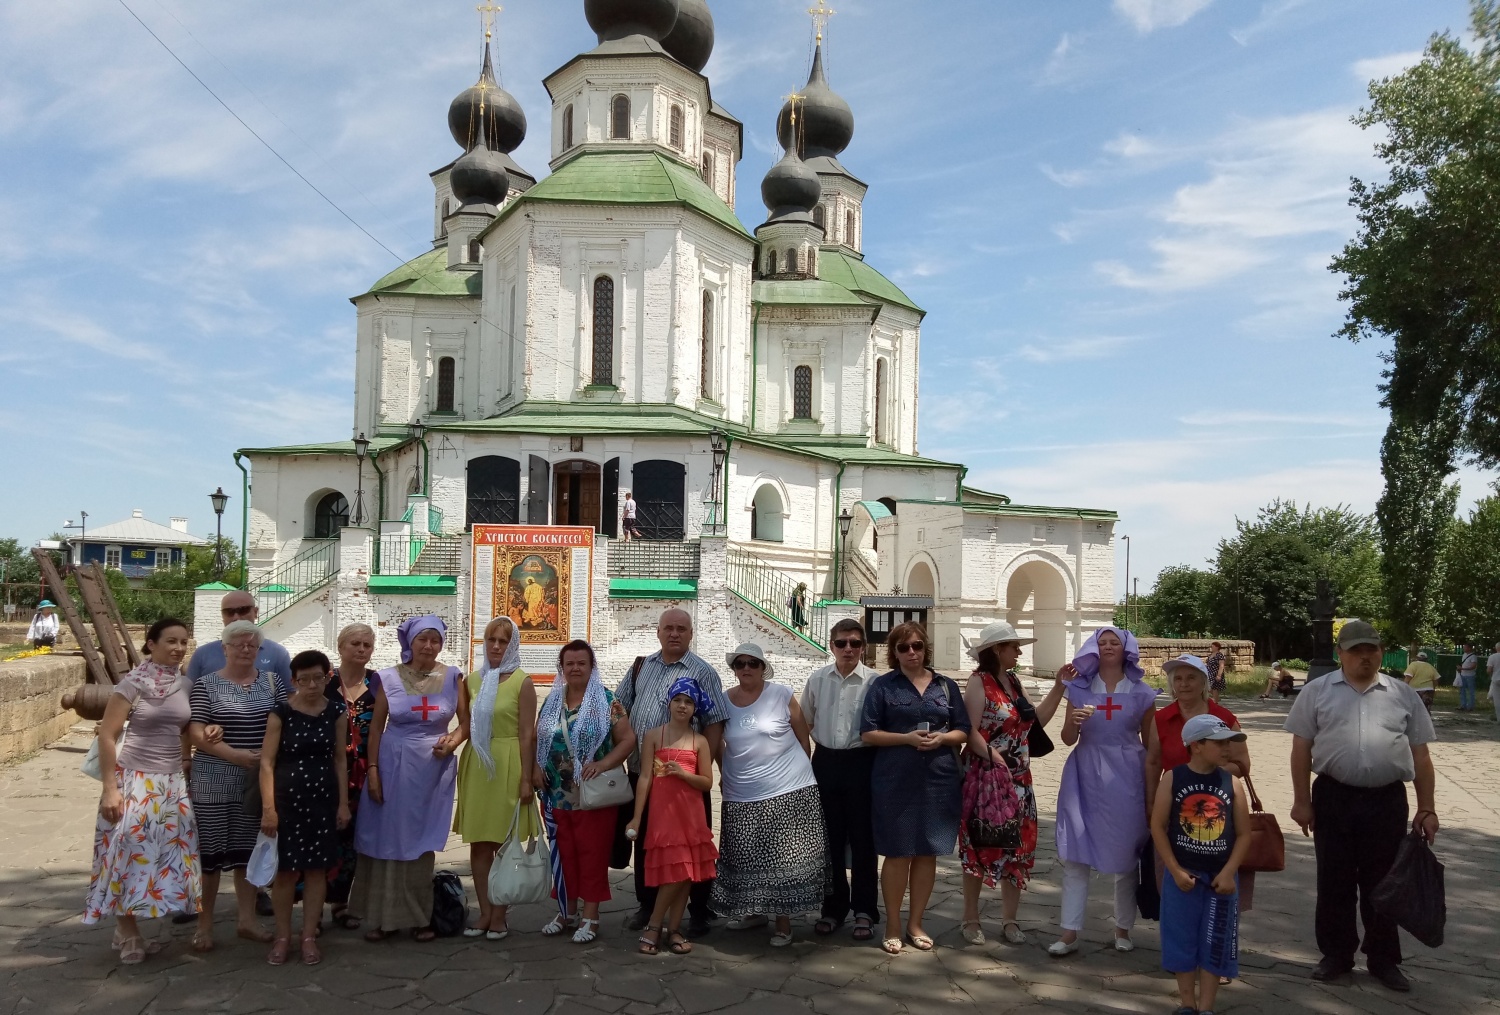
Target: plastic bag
(1412, 893)
(450, 906)
(261, 870)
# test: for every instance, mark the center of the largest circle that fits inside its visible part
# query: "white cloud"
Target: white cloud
(1072, 350)
(1149, 15)
(1131, 146)
(1377, 67)
(1210, 418)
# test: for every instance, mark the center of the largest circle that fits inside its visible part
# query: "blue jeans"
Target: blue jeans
(1466, 683)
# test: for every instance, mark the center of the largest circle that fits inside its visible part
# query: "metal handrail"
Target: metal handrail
(773, 593)
(312, 568)
(434, 520)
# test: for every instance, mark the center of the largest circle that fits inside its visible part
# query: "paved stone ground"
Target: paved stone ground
(49, 962)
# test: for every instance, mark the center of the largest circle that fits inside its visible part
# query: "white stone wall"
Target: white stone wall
(653, 84)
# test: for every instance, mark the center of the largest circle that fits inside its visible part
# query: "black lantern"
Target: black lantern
(361, 449)
(219, 499)
(719, 443)
(845, 521)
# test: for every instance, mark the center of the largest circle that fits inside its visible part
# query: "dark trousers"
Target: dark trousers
(844, 791)
(645, 895)
(1356, 834)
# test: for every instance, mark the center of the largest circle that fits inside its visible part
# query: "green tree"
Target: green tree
(1415, 513)
(1268, 582)
(1469, 608)
(1181, 603)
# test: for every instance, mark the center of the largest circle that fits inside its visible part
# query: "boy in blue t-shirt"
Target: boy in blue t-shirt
(1201, 827)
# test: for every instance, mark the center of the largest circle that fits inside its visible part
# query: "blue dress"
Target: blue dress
(917, 795)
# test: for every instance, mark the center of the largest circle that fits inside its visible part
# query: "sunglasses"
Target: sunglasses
(848, 643)
(911, 646)
(237, 611)
(747, 664)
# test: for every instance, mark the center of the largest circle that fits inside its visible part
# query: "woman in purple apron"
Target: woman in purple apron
(407, 805)
(1102, 803)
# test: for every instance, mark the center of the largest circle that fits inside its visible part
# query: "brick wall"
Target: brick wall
(31, 712)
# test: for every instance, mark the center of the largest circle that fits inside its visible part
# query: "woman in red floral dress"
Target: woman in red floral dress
(999, 760)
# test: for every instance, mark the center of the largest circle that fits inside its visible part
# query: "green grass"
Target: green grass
(1250, 684)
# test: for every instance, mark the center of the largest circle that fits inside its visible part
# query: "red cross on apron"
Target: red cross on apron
(426, 709)
(1109, 708)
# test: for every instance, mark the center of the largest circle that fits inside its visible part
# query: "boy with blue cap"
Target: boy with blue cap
(1201, 826)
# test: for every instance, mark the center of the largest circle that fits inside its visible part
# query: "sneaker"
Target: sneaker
(750, 922)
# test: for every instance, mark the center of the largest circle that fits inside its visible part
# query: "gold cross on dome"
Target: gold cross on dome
(821, 15)
(487, 12)
(793, 100)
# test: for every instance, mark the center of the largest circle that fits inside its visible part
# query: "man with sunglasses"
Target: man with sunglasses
(209, 656)
(832, 703)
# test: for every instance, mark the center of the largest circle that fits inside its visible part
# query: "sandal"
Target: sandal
(781, 940)
(133, 951)
(891, 946)
(864, 929)
(921, 942)
(311, 954)
(422, 935)
(680, 945)
(650, 946)
(558, 926)
(974, 936)
(278, 953)
(587, 931)
(203, 943)
(826, 926)
(375, 936)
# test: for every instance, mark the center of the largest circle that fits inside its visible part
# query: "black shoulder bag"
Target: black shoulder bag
(1037, 740)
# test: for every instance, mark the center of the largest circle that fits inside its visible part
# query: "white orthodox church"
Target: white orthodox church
(614, 326)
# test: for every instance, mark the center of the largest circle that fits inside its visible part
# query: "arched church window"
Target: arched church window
(619, 117)
(849, 229)
(708, 168)
(476, 252)
(674, 129)
(604, 330)
(445, 384)
(820, 217)
(567, 128)
(771, 262)
(331, 515)
(802, 393)
(880, 423)
(791, 261)
(706, 351)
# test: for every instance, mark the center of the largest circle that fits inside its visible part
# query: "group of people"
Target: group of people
(837, 800)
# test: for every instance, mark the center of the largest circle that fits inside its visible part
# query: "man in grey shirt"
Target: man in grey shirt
(1365, 735)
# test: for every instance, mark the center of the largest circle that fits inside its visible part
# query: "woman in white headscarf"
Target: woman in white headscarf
(498, 705)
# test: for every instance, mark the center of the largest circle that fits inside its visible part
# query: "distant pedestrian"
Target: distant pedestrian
(1492, 666)
(43, 630)
(1365, 735)
(629, 528)
(1422, 677)
(1468, 678)
(1218, 676)
(1201, 826)
(1280, 680)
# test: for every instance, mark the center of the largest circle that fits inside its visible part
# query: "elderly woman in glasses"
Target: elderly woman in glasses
(917, 720)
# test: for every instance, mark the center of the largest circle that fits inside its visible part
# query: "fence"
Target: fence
(777, 596)
(308, 571)
(655, 559)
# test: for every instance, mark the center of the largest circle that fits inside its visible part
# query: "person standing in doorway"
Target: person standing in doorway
(629, 528)
(643, 692)
(1468, 677)
(1365, 736)
(833, 703)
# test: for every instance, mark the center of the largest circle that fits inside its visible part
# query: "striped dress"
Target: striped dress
(227, 822)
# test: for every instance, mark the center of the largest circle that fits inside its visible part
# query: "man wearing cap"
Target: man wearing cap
(209, 657)
(1422, 677)
(833, 703)
(43, 630)
(1365, 735)
(643, 694)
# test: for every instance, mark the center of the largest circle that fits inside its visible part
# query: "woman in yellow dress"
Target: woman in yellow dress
(497, 703)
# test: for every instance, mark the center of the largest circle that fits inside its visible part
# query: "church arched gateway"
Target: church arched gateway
(660, 490)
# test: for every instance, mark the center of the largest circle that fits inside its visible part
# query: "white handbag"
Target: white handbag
(522, 872)
(90, 766)
(607, 789)
(261, 870)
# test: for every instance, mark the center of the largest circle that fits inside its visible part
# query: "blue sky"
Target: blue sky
(1118, 215)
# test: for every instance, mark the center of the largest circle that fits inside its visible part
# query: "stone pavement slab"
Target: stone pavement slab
(50, 962)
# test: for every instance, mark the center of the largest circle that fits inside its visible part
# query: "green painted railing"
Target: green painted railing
(315, 566)
(434, 520)
(788, 602)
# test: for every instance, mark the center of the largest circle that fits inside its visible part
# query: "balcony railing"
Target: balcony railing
(778, 596)
(663, 560)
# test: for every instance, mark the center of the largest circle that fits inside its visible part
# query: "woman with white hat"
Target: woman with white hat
(43, 630)
(999, 762)
(771, 828)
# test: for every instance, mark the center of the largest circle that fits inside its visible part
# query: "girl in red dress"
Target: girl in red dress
(679, 845)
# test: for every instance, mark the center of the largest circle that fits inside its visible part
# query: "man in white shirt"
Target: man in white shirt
(832, 703)
(1468, 677)
(629, 528)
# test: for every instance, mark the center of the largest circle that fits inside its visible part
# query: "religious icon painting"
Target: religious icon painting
(541, 577)
(536, 594)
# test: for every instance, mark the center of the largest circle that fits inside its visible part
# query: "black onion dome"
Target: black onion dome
(791, 189)
(619, 19)
(479, 176)
(505, 120)
(692, 41)
(825, 123)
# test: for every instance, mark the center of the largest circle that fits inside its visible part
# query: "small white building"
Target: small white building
(615, 326)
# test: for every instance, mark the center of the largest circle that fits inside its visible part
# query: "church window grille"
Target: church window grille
(567, 128)
(494, 491)
(619, 118)
(771, 263)
(331, 515)
(880, 421)
(445, 384)
(820, 216)
(802, 392)
(675, 131)
(604, 330)
(791, 261)
(708, 168)
(849, 229)
(706, 371)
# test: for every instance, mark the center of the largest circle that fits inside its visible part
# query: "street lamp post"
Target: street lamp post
(218, 499)
(419, 433)
(83, 532)
(361, 448)
(845, 521)
(1127, 574)
(720, 446)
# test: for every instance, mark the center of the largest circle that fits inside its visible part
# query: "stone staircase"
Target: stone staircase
(441, 555)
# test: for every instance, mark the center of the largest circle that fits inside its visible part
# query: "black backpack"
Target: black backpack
(450, 906)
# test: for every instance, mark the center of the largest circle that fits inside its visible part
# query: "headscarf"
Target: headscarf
(1086, 662)
(413, 626)
(153, 680)
(482, 712)
(590, 727)
(691, 688)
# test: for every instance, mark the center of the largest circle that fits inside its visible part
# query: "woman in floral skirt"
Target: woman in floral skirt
(999, 757)
(145, 841)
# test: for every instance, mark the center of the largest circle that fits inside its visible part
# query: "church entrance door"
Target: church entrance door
(660, 490)
(577, 494)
